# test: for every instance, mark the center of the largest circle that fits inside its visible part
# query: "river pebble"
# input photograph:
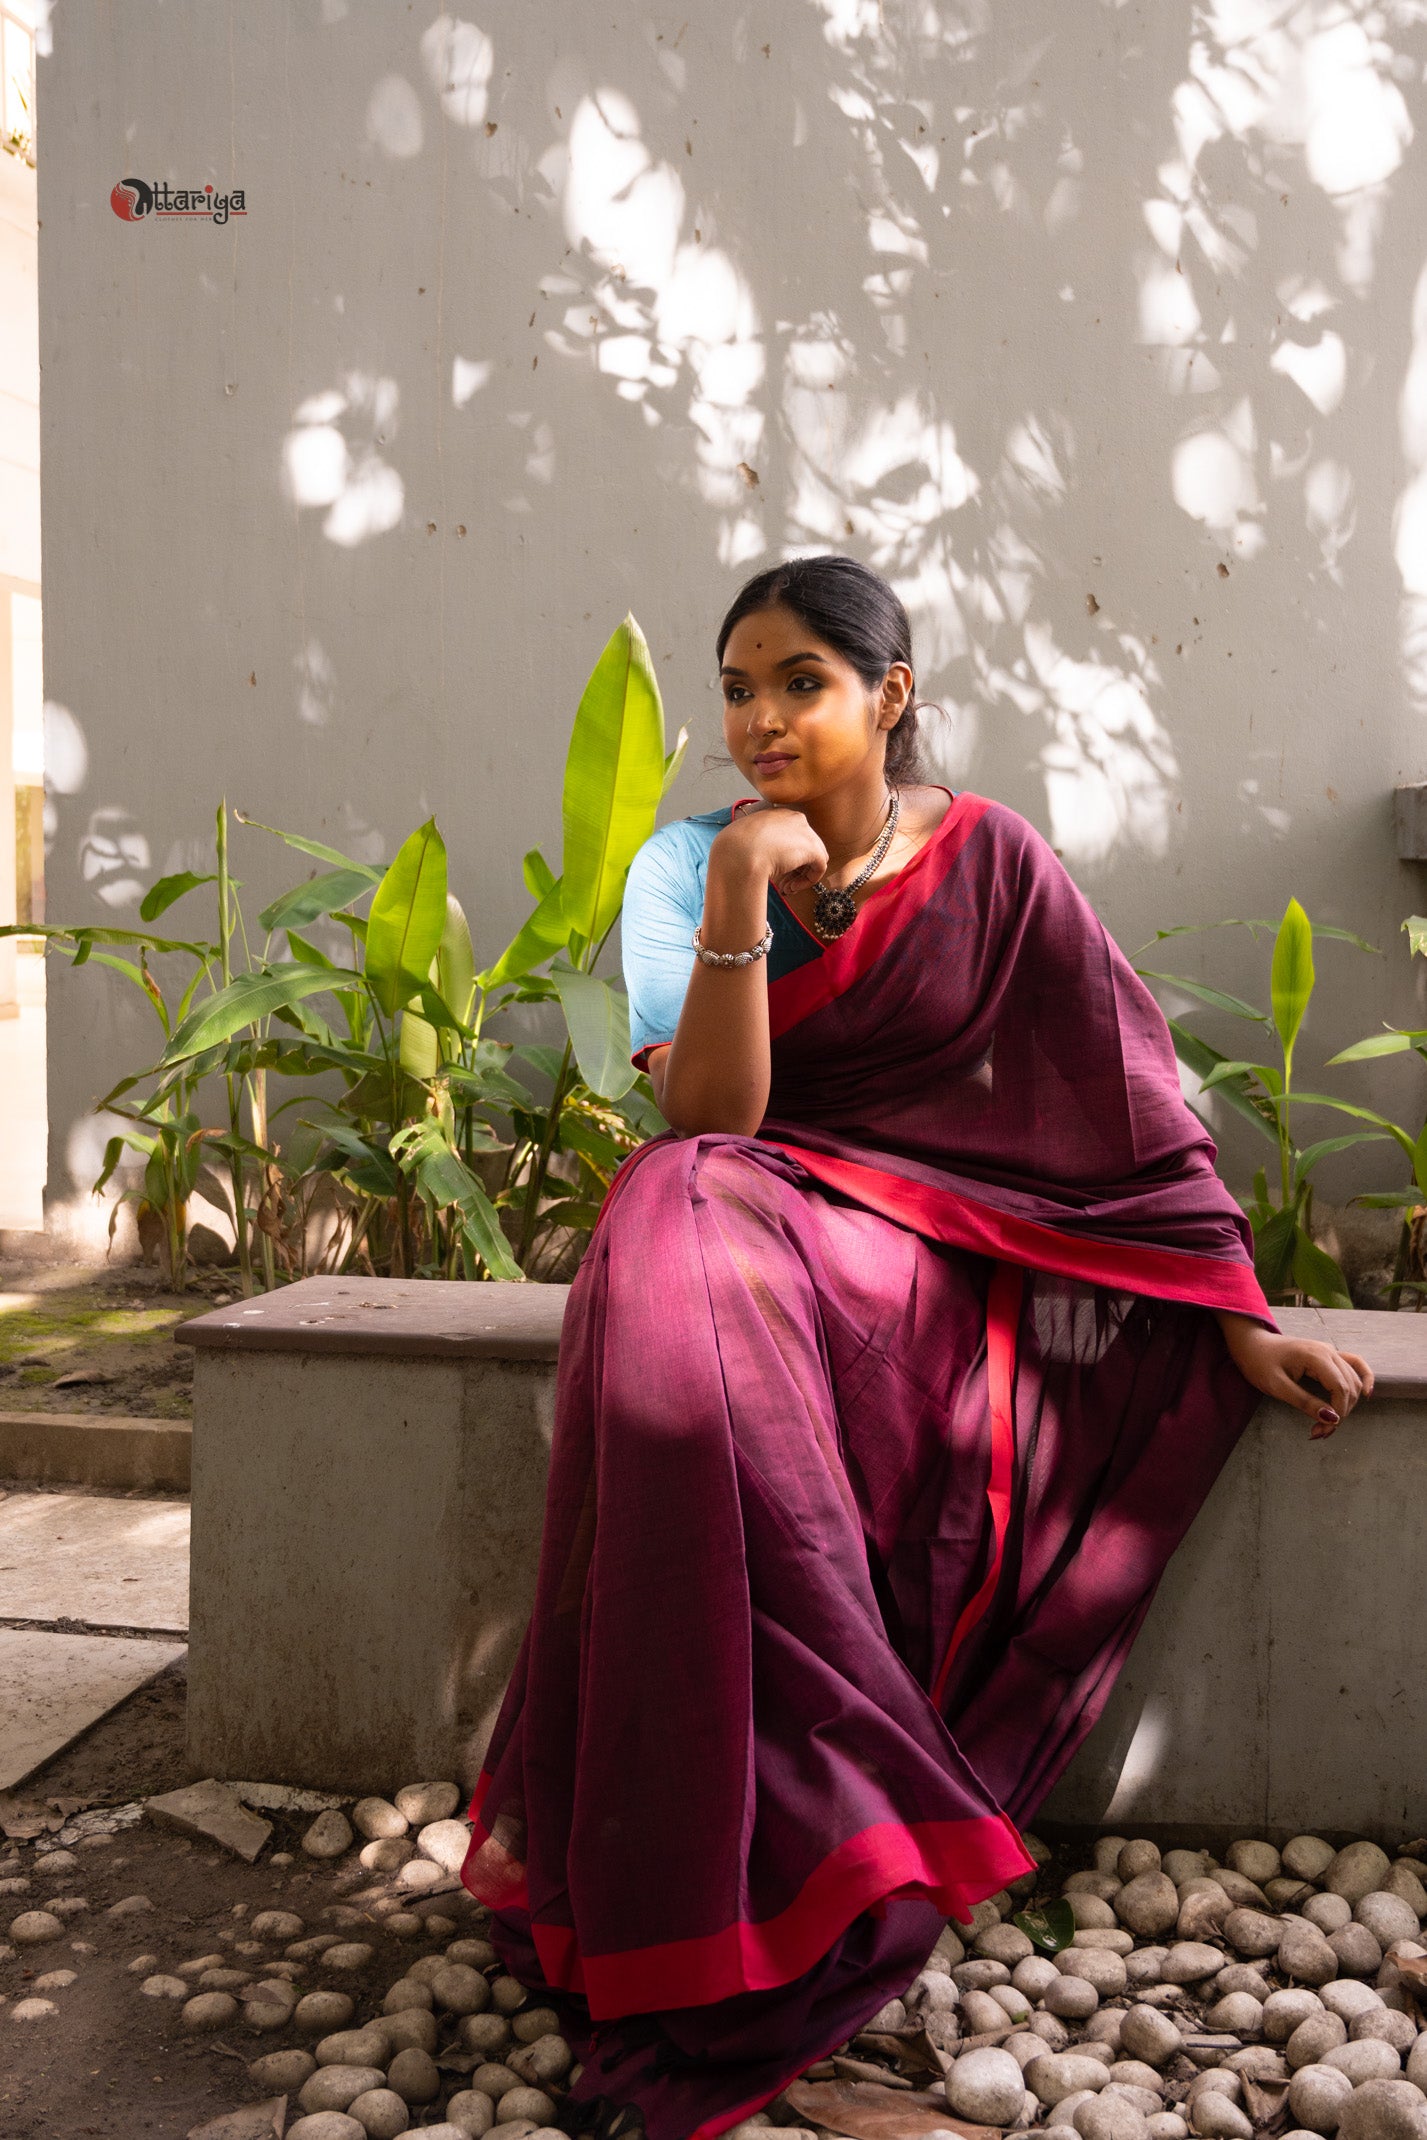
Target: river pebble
(984, 2086)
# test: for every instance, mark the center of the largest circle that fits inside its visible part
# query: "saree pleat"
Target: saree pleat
(871, 1444)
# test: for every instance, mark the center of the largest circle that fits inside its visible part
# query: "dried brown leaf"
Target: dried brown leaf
(863, 2111)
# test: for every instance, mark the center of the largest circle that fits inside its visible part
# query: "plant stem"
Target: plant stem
(540, 1159)
(236, 1171)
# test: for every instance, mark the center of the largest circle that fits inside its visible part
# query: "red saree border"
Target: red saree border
(1003, 1321)
(942, 1215)
(881, 918)
(954, 1863)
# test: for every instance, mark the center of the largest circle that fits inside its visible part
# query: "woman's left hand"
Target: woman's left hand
(1273, 1363)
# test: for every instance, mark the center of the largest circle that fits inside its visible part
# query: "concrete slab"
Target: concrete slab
(99, 1562)
(95, 1449)
(53, 1687)
(213, 1813)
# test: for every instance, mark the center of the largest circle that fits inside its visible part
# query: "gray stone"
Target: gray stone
(326, 2125)
(1105, 1885)
(376, 1818)
(381, 2114)
(1383, 2025)
(282, 2071)
(1061, 2115)
(1105, 1971)
(1384, 2110)
(1003, 1943)
(420, 1803)
(1148, 1904)
(1052, 2078)
(1356, 1871)
(1312, 2038)
(1203, 1910)
(1244, 1893)
(1190, 1961)
(1053, 2033)
(1137, 1858)
(533, 2103)
(209, 2010)
(337, 2087)
(1033, 1975)
(1166, 2125)
(279, 1925)
(985, 2086)
(1308, 1857)
(353, 2047)
(1406, 1882)
(1357, 1952)
(162, 1987)
(1214, 2117)
(1146, 2095)
(214, 1813)
(1015, 2003)
(1348, 1998)
(1304, 1954)
(1258, 1862)
(1237, 2015)
(1287, 1894)
(472, 2112)
(329, 1835)
(1387, 1917)
(32, 2010)
(1142, 1968)
(36, 1928)
(129, 1906)
(320, 2012)
(1071, 1999)
(1108, 2117)
(1239, 1976)
(979, 1975)
(1316, 2096)
(1367, 2060)
(1417, 2063)
(1149, 2035)
(414, 2076)
(347, 1956)
(255, 2121)
(1283, 2011)
(1106, 1939)
(445, 1843)
(1252, 1932)
(981, 2015)
(1182, 1865)
(1091, 1913)
(1107, 1852)
(1329, 1912)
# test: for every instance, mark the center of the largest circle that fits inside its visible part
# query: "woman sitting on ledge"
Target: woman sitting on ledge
(889, 1383)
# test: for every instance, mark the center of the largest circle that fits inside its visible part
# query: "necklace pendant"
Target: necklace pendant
(834, 911)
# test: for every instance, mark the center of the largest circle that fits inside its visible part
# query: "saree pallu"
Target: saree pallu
(873, 1436)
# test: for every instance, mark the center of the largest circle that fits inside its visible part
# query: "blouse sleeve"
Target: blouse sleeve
(663, 903)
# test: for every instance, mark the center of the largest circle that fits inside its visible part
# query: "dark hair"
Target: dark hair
(851, 609)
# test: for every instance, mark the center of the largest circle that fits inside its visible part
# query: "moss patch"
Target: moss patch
(114, 1330)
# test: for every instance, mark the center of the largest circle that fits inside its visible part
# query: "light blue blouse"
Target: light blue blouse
(663, 905)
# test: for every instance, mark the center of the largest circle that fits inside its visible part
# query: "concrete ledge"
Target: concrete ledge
(96, 1449)
(368, 1491)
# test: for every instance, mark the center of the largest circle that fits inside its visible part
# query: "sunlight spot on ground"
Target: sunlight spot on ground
(394, 122)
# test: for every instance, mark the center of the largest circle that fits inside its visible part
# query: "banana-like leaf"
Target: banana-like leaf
(1316, 1274)
(407, 918)
(1389, 1200)
(674, 760)
(1214, 996)
(1291, 978)
(453, 989)
(1416, 927)
(1264, 1072)
(1198, 1056)
(1309, 1157)
(250, 997)
(539, 876)
(318, 852)
(319, 895)
(86, 938)
(161, 896)
(1363, 1051)
(1273, 1250)
(614, 776)
(1360, 1114)
(441, 1173)
(540, 937)
(598, 1018)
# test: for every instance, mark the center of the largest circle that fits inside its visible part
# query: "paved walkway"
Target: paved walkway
(93, 1603)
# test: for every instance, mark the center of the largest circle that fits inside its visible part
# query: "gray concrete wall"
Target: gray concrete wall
(1101, 327)
(365, 1540)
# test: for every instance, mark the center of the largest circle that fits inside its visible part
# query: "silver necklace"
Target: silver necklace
(834, 908)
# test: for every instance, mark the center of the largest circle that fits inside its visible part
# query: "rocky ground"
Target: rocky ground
(339, 1987)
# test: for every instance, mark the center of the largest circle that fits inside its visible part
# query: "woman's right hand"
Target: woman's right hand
(773, 842)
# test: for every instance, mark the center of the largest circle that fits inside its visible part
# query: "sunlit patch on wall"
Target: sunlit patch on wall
(459, 58)
(316, 684)
(112, 854)
(468, 376)
(394, 122)
(342, 469)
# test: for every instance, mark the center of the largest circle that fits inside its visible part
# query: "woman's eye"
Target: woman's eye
(812, 682)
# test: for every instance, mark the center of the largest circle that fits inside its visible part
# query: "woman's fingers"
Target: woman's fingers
(1363, 1372)
(1344, 1376)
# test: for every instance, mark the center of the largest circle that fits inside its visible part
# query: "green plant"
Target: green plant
(1410, 1270)
(432, 1143)
(1289, 1262)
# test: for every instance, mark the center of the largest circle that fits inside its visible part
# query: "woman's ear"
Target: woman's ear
(896, 695)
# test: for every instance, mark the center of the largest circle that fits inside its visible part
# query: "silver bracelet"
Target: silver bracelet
(733, 958)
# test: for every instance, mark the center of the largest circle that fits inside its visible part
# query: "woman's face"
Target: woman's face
(797, 718)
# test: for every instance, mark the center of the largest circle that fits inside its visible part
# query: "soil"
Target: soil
(73, 1339)
(112, 2063)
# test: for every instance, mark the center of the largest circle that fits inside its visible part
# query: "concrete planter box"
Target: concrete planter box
(369, 1463)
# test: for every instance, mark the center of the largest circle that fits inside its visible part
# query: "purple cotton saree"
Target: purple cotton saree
(873, 1436)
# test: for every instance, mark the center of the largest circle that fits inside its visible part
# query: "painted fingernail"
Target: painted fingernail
(1329, 1418)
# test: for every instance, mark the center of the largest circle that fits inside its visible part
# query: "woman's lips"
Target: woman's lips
(772, 761)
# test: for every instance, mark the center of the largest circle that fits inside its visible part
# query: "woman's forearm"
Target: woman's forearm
(715, 1074)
